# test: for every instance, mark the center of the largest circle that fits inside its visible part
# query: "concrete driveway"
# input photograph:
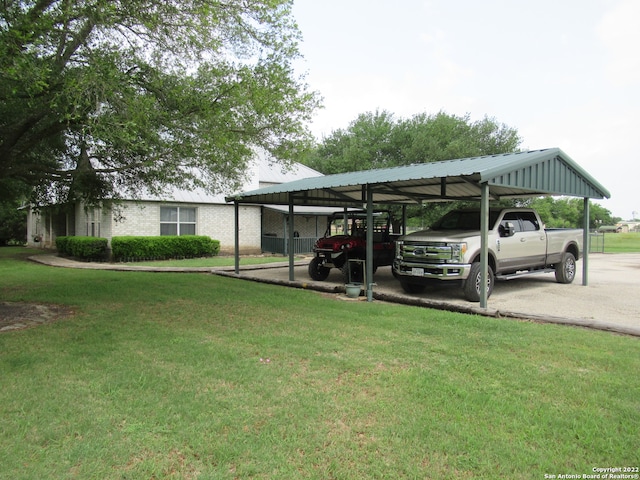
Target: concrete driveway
(611, 301)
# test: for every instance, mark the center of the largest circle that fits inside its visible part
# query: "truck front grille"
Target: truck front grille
(426, 252)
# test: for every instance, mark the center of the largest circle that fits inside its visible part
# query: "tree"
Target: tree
(105, 97)
(13, 218)
(568, 212)
(13, 223)
(377, 140)
(438, 137)
(369, 142)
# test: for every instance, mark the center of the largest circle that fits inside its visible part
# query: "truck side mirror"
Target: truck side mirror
(508, 230)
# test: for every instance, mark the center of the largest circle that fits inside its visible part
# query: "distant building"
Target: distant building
(625, 227)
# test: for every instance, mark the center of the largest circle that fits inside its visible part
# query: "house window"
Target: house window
(93, 222)
(177, 221)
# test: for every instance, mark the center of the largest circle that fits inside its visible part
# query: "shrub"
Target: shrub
(164, 247)
(84, 248)
(62, 245)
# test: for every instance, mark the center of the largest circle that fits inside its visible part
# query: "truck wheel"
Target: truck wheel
(472, 284)
(566, 269)
(412, 287)
(317, 270)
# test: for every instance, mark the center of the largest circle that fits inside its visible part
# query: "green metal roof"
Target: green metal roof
(523, 174)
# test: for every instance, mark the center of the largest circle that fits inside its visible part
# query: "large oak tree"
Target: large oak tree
(100, 98)
(379, 140)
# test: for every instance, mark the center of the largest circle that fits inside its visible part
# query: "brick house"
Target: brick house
(194, 212)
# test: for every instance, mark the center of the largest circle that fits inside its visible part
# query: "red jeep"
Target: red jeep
(345, 239)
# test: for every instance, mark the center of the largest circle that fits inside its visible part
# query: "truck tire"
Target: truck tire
(317, 270)
(412, 287)
(471, 286)
(566, 269)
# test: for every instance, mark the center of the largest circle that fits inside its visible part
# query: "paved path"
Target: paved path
(611, 301)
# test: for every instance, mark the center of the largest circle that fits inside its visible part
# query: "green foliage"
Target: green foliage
(83, 248)
(13, 223)
(163, 247)
(13, 218)
(102, 98)
(378, 140)
(568, 212)
(62, 245)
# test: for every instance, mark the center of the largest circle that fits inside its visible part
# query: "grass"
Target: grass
(197, 376)
(621, 242)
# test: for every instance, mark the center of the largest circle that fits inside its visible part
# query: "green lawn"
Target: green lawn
(196, 376)
(621, 242)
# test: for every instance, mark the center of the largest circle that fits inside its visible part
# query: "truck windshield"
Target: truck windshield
(464, 220)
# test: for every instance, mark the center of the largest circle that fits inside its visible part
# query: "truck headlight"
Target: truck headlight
(399, 244)
(457, 251)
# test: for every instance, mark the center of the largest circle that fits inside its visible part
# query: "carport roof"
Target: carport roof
(523, 174)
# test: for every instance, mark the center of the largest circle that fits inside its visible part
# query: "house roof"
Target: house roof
(274, 173)
(522, 174)
(264, 171)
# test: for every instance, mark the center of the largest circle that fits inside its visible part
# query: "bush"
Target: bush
(85, 248)
(62, 245)
(164, 247)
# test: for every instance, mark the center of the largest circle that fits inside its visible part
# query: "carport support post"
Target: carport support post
(585, 243)
(236, 236)
(484, 246)
(290, 235)
(369, 263)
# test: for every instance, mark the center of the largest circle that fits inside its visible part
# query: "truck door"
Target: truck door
(527, 246)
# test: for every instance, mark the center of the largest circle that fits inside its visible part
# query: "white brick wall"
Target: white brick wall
(215, 221)
(82, 216)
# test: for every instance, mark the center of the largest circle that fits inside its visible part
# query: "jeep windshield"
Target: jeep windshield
(464, 220)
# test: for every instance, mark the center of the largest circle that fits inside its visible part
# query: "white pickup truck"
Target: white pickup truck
(518, 244)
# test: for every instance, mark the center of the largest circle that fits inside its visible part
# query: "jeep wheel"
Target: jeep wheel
(566, 269)
(317, 270)
(471, 285)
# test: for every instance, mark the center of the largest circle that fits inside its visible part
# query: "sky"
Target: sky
(563, 73)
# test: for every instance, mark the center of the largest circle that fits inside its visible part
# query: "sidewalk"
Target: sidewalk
(56, 261)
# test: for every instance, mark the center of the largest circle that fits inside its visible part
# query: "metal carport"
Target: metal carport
(485, 178)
